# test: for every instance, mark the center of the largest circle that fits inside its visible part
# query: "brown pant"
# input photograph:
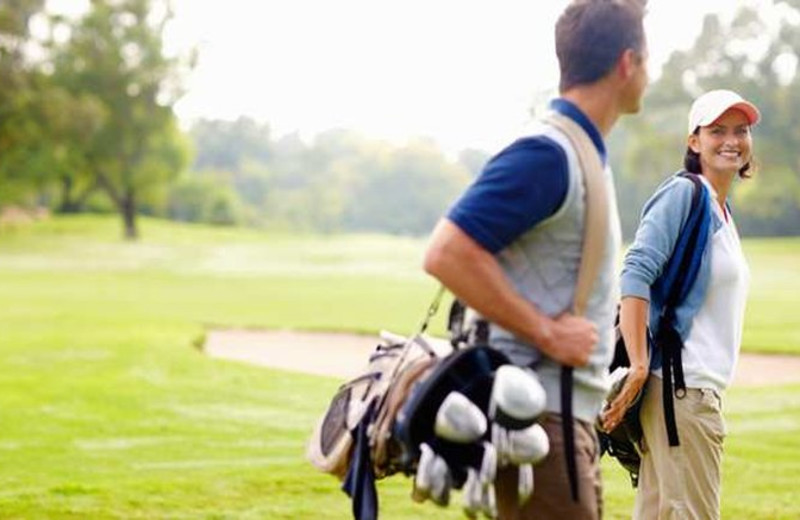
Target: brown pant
(681, 482)
(552, 498)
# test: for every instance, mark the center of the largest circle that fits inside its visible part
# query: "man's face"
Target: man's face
(637, 83)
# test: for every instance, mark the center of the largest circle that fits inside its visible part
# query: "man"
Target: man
(510, 248)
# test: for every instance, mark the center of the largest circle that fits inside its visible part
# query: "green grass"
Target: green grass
(107, 410)
(772, 323)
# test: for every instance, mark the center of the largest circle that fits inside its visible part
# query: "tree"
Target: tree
(204, 199)
(403, 190)
(18, 133)
(115, 54)
(68, 124)
(228, 145)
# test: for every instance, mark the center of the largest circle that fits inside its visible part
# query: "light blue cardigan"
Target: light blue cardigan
(662, 218)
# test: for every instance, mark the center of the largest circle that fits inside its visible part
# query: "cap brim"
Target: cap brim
(748, 109)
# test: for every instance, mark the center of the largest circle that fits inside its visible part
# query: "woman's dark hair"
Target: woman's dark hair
(691, 162)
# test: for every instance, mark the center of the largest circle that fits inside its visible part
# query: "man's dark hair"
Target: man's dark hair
(591, 35)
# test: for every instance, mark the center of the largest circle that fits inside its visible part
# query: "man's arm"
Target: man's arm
(473, 274)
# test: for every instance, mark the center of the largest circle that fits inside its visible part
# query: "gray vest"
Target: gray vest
(542, 264)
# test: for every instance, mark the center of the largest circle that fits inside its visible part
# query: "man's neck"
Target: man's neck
(597, 103)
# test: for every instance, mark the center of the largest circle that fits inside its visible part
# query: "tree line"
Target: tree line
(87, 124)
(341, 181)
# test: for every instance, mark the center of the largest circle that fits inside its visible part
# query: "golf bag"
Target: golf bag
(372, 396)
(436, 416)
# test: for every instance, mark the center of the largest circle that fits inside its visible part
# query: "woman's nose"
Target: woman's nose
(731, 138)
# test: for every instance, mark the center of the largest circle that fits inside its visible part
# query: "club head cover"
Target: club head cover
(528, 446)
(500, 443)
(422, 480)
(489, 502)
(517, 397)
(441, 482)
(459, 420)
(525, 483)
(472, 494)
(488, 470)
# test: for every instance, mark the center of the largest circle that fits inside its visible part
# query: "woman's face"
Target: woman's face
(725, 145)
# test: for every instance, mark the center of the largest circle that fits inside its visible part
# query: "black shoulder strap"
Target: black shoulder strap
(595, 229)
(568, 430)
(679, 276)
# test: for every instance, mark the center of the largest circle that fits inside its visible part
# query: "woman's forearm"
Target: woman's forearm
(633, 326)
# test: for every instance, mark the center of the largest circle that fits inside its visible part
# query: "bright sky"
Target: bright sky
(463, 72)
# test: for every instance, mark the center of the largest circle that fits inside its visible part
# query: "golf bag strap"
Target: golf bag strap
(595, 229)
(668, 339)
(359, 483)
(433, 308)
(568, 431)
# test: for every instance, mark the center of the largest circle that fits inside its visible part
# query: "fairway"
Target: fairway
(108, 410)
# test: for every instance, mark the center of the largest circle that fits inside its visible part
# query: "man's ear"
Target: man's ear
(626, 64)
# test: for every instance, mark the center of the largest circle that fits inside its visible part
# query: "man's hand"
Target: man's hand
(634, 381)
(569, 339)
(474, 275)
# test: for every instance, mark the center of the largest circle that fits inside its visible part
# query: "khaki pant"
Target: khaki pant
(551, 494)
(680, 482)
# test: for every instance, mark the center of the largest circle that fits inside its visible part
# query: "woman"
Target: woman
(683, 480)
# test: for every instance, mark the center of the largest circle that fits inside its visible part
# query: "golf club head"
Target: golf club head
(441, 482)
(422, 480)
(489, 501)
(500, 443)
(432, 480)
(488, 471)
(459, 420)
(527, 446)
(472, 494)
(517, 398)
(525, 483)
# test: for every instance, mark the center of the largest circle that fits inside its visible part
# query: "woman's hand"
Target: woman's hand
(612, 416)
(633, 326)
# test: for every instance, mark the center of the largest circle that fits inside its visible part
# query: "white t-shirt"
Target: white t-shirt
(712, 349)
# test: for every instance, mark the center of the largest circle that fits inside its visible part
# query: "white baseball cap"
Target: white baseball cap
(707, 108)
